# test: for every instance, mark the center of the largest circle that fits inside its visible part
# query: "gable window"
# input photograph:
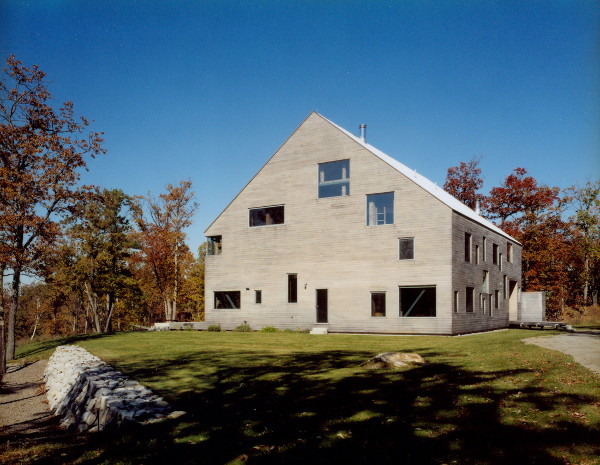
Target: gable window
(407, 248)
(469, 300)
(468, 243)
(292, 288)
(380, 209)
(258, 297)
(334, 179)
(266, 216)
(213, 245)
(227, 299)
(377, 303)
(417, 301)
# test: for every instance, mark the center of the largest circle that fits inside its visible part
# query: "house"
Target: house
(332, 233)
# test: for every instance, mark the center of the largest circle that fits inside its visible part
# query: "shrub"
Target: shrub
(214, 328)
(245, 328)
(270, 329)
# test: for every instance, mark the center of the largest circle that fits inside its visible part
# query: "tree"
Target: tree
(41, 153)
(162, 238)
(464, 182)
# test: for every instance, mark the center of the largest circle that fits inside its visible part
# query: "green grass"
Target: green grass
(265, 398)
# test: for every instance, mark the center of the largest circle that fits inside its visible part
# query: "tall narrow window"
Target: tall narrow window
(496, 299)
(469, 300)
(407, 248)
(334, 178)
(495, 254)
(456, 302)
(258, 297)
(468, 240)
(485, 249)
(292, 288)
(213, 245)
(504, 286)
(417, 301)
(377, 303)
(477, 255)
(509, 252)
(482, 303)
(485, 282)
(500, 261)
(380, 209)
(266, 216)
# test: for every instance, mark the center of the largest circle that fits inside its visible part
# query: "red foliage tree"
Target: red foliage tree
(464, 182)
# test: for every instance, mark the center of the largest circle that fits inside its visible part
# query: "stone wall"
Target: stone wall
(89, 395)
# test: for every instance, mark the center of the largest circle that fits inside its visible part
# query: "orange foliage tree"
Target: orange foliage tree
(464, 182)
(41, 153)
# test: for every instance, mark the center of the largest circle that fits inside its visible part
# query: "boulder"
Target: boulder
(394, 360)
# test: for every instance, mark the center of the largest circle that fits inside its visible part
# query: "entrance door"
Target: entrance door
(321, 305)
(513, 304)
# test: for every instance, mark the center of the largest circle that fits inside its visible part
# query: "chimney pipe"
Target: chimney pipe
(363, 133)
(477, 207)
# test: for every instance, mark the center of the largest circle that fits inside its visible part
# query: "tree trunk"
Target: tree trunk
(109, 310)
(93, 306)
(176, 284)
(12, 313)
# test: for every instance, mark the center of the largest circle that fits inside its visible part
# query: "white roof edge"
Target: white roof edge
(426, 184)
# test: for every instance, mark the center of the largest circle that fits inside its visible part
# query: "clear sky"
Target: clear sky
(209, 90)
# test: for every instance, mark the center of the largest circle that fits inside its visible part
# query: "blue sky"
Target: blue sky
(208, 90)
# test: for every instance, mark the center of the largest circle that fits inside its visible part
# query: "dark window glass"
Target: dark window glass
(377, 303)
(227, 299)
(334, 178)
(266, 216)
(495, 254)
(417, 301)
(258, 297)
(292, 288)
(407, 249)
(467, 247)
(214, 245)
(469, 300)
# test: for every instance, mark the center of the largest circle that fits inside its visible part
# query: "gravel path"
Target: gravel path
(584, 347)
(23, 406)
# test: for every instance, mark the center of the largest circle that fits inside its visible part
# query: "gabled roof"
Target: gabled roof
(426, 184)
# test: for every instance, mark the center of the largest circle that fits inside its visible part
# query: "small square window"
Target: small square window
(377, 303)
(407, 248)
(334, 179)
(380, 209)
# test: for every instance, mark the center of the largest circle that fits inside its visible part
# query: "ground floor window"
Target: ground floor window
(258, 297)
(227, 299)
(377, 303)
(292, 288)
(417, 301)
(469, 300)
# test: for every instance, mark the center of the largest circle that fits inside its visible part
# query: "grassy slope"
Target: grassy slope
(292, 398)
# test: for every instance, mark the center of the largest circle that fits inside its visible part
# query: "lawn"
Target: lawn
(265, 398)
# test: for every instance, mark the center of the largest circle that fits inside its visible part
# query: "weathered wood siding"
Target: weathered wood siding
(470, 274)
(327, 243)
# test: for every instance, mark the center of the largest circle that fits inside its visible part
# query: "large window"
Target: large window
(227, 299)
(292, 288)
(380, 209)
(214, 245)
(417, 301)
(334, 178)
(377, 303)
(407, 248)
(266, 216)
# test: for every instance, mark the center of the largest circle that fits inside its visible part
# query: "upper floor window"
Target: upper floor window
(468, 247)
(407, 248)
(495, 254)
(509, 252)
(334, 178)
(380, 209)
(265, 216)
(214, 245)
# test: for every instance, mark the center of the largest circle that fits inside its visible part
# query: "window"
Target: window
(477, 255)
(258, 297)
(407, 248)
(266, 216)
(377, 303)
(334, 179)
(227, 299)
(456, 302)
(509, 252)
(482, 303)
(292, 288)
(468, 241)
(485, 282)
(417, 301)
(504, 286)
(500, 261)
(495, 254)
(485, 249)
(214, 245)
(469, 300)
(496, 299)
(380, 209)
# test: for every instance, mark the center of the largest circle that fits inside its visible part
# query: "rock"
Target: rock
(394, 360)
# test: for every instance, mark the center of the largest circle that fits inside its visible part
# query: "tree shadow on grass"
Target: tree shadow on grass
(322, 407)
(32, 350)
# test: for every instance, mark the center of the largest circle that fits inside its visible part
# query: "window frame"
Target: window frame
(381, 294)
(468, 247)
(385, 213)
(406, 239)
(344, 183)
(250, 210)
(424, 287)
(225, 293)
(292, 288)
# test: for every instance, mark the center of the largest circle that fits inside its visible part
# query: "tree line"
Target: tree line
(105, 260)
(558, 229)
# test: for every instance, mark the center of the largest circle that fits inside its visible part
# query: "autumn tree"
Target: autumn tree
(464, 181)
(162, 224)
(42, 151)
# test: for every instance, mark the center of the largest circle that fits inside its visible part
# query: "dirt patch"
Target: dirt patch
(584, 347)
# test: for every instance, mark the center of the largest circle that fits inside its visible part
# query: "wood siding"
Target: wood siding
(327, 243)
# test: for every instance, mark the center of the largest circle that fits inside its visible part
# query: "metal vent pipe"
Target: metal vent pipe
(363, 132)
